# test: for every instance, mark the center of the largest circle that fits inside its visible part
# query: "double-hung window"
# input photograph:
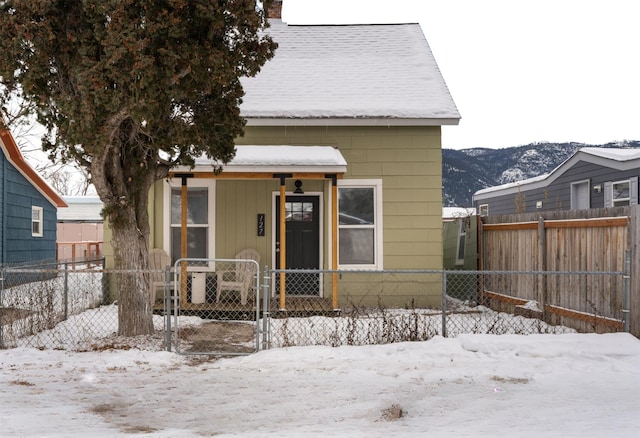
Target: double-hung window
(36, 221)
(200, 221)
(360, 224)
(620, 193)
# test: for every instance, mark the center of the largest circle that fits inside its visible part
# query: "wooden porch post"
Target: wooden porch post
(283, 240)
(334, 241)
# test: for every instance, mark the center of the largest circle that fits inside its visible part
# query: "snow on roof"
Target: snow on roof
(613, 153)
(513, 184)
(457, 212)
(281, 158)
(81, 209)
(363, 72)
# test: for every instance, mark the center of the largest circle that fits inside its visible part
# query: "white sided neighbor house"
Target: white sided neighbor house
(340, 166)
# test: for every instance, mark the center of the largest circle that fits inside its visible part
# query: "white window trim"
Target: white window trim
(484, 207)
(166, 213)
(376, 184)
(39, 221)
(627, 199)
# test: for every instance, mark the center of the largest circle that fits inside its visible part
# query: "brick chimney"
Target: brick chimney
(275, 10)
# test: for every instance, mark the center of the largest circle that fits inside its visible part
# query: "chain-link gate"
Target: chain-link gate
(212, 306)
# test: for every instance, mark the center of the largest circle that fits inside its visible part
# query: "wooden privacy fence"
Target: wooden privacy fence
(589, 241)
(78, 252)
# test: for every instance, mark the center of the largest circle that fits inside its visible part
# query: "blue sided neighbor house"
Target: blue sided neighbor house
(28, 209)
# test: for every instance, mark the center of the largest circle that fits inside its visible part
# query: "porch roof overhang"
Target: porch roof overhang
(254, 160)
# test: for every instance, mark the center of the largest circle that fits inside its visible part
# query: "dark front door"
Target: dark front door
(303, 244)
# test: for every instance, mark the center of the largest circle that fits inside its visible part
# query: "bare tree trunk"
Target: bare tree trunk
(131, 248)
(126, 203)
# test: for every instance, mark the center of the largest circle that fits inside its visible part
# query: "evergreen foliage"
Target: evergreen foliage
(130, 89)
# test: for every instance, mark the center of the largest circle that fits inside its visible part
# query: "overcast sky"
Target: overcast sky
(519, 71)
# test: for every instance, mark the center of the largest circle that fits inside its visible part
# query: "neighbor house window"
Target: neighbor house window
(462, 241)
(36, 222)
(620, 193)
(484, 210)
(360, 224)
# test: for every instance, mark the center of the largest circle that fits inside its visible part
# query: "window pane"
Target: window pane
(196, 243)
(197, 205)
(461, 246)
(356, 246)
(621, 190)
(356, 206)
(288, 208)
(297, 211)
(307, 211)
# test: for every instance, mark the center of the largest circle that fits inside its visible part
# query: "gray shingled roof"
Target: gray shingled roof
(375, 74)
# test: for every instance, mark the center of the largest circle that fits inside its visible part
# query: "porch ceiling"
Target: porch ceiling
(279, 159)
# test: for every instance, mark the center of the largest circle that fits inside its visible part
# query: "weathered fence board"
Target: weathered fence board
(568, 241)
(634, 249)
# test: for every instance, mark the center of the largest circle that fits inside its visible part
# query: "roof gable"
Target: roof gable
(12, 153)
(355, 72)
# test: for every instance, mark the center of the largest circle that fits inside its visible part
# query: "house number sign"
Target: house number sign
(260, 224)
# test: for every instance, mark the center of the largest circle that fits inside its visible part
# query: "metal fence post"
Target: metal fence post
(66, 291)
(167, 306)
(265, 309)
(105, 281)
(444, 304)
(627, 291)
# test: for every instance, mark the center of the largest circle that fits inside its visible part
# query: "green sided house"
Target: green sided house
(339, 168)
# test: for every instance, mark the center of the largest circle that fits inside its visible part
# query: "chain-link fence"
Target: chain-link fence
(208, 311)
(394, 306)
(68, 305)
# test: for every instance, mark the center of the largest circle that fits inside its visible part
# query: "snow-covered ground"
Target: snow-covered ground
(92, 327)
(565, 385)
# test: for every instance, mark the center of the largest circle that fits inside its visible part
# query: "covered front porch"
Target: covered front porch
(280, 201)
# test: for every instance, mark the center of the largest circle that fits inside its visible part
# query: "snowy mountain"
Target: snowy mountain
(466, 171)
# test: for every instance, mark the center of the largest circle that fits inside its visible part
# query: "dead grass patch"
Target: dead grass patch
(22, 383)
(514, 380)
(218, 337)
(8, 315)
